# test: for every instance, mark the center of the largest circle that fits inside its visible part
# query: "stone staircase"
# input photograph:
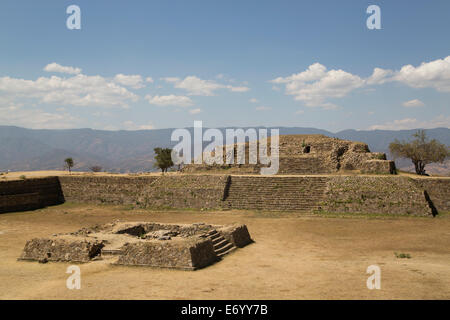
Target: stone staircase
(221, 245)
(275, 193)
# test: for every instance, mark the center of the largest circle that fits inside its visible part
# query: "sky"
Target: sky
(155, 64)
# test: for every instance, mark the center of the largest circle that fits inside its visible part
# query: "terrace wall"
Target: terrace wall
(29, 194)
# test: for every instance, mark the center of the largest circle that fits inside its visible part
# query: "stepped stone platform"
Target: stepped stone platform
(301, 154)
(180, 246)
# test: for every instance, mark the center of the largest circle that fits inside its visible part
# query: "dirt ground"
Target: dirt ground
(293, 257)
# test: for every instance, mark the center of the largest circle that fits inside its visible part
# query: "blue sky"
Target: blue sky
(163, 64)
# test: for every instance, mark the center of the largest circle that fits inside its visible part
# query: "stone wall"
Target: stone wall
(29, 194)
(438, 190)
(64, 250)
(187, 191)
(101, 189)
(381, 195)
(181, 255)
(351, 193)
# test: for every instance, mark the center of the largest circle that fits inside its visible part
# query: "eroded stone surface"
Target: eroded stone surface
(183, 246)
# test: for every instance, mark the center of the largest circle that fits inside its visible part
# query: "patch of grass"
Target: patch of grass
(23, 177)
(402, 255)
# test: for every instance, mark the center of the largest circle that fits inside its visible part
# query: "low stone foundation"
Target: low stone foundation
(181, 246)
(73, 250)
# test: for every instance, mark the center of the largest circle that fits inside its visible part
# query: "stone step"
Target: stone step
(217, 240)
(226, 252)
(221, 243)
(224, 248)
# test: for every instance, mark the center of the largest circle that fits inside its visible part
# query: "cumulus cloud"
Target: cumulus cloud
(413, 103)
(35, 118)
(170, 100)
(317, 84)
(132, 81)
(434, 74)
(79, 90)
(380, 76)
(253, 100)
(195, 111)
(200, 87)
(54, 67)
(149, 80)
(412, 123)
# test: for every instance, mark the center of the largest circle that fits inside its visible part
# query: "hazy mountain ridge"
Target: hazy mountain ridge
(132, 151)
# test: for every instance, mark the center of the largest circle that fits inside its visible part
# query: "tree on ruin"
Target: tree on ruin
(421, 151)
(69, 163)
(163, 158)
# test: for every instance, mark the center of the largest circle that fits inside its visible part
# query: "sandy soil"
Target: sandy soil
(17, 175)
(293, 257)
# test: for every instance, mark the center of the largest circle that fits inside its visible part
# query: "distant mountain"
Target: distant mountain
(132, 151)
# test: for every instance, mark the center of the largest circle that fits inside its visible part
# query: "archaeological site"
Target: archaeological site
(316, 174)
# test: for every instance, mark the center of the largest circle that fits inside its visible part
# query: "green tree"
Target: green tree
(421, 151)
(163, 158)
(69, 163)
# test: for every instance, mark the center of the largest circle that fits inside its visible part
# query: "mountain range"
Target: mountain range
(132, 151)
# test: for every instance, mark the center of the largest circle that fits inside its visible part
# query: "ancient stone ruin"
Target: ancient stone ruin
(180, 246)
(308, 154)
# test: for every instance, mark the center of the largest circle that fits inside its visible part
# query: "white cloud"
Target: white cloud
(434, 74)
(79, 90)
(195, 111)
(379, 76)
(315, 85)
(35, 118)
(149, 80)
(170, 100)
(132, 81)
(412, 123)
(253, 100)
(54, 67)
(413, 103)
(300, 112)
(199, 87)
(130, 125)
(263, 108)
